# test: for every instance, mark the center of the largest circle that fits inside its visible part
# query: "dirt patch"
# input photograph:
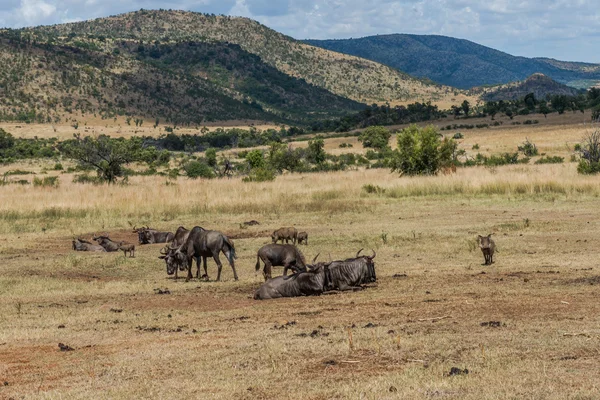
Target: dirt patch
(592, 280)
(199, 302)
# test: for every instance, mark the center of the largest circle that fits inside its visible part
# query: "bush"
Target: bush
(421, 152)
(256, 159)
(260, 175)
(197, 169)
(58, 167)
(458, 135)
(376, 137)
(85, 178)
(475, 146)
(528, 148)
(47, 181)
(550, 160)
(373, 189)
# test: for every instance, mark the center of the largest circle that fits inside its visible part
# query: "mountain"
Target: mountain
(538, 84)
(344, 75)
(457, 62)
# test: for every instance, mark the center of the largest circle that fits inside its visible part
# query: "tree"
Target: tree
(491, 108)
(466, 106)
(456, 111)
(211, 157)
(256, 159)
(6, 140)
(589, 150)
(544, 109)
(197, 169)
(376, 137)
(316, 151)
(421, 151)
(106, 155)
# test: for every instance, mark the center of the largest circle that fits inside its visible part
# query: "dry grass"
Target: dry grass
(211, 340)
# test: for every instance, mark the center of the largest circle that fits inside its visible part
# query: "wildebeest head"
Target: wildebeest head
(370, 264)
(174, 258)
(317, 268)
(485, 242)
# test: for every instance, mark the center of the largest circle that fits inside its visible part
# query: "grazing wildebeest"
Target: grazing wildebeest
(349, 274)
(487, 246)
(277, 255)
(200, 243)
(151, 236)
(286, 234)
(127, 247)
(307, 283)
(180, 237)
(108, 244)
(302, 237)
(84, 245)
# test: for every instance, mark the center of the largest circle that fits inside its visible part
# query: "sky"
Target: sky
(567, 30)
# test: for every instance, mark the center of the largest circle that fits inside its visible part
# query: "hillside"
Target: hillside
(63, 80)
(347, 76)
(457, 62)
(538, 84)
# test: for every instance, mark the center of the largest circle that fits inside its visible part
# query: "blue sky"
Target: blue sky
(562, 29)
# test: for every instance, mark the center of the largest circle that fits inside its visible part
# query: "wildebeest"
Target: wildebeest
(180, 237)
(350, 273)
(84, 245)
(286, 255)
(487, 246)
(302, 237)
(286, 234)
(307, 283)
(107, 243)
(127, 247)
(151, 236)
(200, 243)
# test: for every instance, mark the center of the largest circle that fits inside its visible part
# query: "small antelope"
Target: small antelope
(127, 247)
(487, 246)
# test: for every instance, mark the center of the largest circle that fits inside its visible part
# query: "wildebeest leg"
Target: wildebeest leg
(219, 265)
(197, 267)
(267, 270)
(205, 267)
(189, 268)
(232, 263)
(285, 268)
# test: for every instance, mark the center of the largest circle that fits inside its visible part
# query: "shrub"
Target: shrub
(47, 181)
(528, 148)
(85, 178)
(197, 169)
(458, 135)
(58, 167)
(376, 137)
(260, 175)
(550, 160)
(475, 146)
(369, 188)
(256, 159)
(421, 152)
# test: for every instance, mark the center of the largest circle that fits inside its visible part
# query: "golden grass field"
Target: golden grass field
(397, 339)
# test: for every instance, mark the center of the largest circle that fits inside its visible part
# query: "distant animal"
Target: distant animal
(250, 223)
(127, 247)
(312, 282)
(150, 236)
(200, 243)
(84, 245)
(487, 246)
(286, 234)
(107, 243)
(286, 255)
(350, 273)
(302, 237)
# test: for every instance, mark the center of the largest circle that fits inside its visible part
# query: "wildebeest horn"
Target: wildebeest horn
(315, 259)
(330, 260)
(374, 254)
(164, 250)
(358, 252)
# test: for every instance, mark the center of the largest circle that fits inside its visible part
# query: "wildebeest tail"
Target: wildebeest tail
(257, 266)
(232, 254)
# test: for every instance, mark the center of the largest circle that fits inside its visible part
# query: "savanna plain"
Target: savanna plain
(526, 327)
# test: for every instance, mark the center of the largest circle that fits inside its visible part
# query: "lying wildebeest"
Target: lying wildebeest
(286, 234)
(349, 274)
(108, 244)
(200, 243)
(487, 246)
(84, 245)
(307, 283)
(151, 236)
(277, 255)
(302, 237)
(127, 247)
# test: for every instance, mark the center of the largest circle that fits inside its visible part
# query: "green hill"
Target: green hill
(457, 62)
(538, 84)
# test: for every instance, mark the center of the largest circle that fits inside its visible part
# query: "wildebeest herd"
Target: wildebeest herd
(307, 279)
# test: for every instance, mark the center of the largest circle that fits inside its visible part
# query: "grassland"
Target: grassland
(396, 339)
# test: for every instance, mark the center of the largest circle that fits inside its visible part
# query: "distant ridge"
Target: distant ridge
(538, 84)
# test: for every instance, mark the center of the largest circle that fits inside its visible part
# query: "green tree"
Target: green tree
(6, 140)
(466, 106)
(283, 157)
(197, 169)
(256, 159)
(316, 151)
(544, 109)
(108, 156)
(421, 151)
(211, 157)
(376, 137)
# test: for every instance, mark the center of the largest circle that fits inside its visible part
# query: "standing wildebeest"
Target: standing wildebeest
(302, 237)
(308, 283)
(349, 274)
(286, 234)
(127, 247)
(84, 245)
(108, 244)
(487, 246)
(280, 254)
(151, 236)
(180, 237)
(200, 243)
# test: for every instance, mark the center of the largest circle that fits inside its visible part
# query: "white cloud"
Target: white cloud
(32, 12)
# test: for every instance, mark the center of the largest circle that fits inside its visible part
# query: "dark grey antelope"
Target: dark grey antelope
(200, 243)
(286, 255)
(487, 246)
(351, 273)
(312, 282)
